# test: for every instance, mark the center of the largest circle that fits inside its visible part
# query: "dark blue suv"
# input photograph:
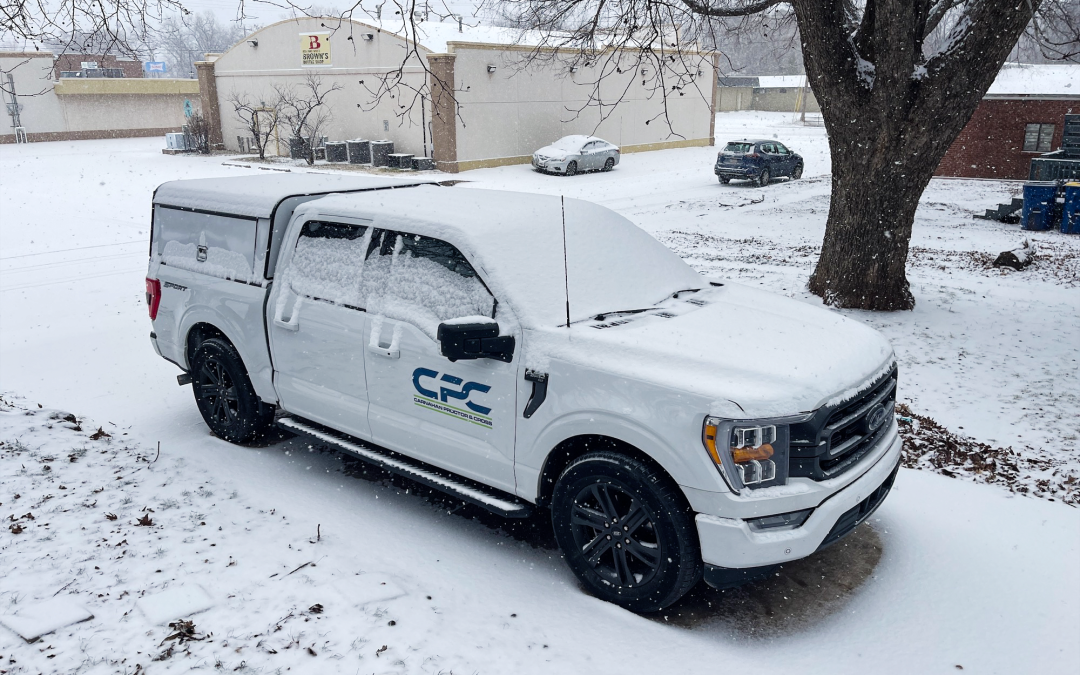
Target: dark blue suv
(759, 161)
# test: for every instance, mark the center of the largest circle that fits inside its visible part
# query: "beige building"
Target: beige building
(488, 109)
(51, 109)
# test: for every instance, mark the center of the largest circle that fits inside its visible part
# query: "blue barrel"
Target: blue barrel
(1038, 206)
(1070, 214)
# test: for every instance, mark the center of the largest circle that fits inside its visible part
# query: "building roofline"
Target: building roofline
(26, 55)
(341, 24)
(451, 44)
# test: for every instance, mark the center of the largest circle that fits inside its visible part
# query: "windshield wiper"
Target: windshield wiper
(685, 290)
(601, 317)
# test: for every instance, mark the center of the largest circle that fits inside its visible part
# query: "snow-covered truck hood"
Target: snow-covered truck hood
(748, 353)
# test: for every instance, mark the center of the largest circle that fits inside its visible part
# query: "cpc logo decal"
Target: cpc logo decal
(459, 390)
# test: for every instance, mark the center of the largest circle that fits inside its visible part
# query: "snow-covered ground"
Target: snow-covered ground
(949, 574)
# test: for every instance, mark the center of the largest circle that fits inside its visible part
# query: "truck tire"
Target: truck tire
(223, 392)
(625, 531)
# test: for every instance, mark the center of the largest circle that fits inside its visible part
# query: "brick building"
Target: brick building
(1006, 132)
(67, 63)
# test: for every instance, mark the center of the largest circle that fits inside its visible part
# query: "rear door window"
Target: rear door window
(328, 263)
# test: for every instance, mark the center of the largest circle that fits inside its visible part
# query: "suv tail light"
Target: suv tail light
(153, 296)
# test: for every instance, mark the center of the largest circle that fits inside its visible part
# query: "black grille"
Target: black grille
(851, 518)
(837, 437)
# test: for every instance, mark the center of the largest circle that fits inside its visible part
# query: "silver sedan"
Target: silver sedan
(573, 154)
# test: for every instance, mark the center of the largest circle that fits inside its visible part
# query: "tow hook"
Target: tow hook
(539, 391)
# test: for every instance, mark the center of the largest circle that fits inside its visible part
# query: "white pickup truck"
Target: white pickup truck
(522, 351)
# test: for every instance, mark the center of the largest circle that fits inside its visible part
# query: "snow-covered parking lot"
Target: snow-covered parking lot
(299, 560)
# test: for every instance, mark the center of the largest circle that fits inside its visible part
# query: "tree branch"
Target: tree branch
(710, 9)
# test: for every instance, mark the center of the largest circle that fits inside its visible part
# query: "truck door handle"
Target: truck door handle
(293, 323)
(386, 352)
(287, 325)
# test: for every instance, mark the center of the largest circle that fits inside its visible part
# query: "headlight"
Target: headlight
(749, 454)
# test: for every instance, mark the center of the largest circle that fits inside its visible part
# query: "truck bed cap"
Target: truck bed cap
(257, 196)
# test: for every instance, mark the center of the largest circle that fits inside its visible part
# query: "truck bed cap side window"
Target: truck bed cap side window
(214, 244)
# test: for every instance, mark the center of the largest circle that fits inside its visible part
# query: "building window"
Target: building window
(1038, 137)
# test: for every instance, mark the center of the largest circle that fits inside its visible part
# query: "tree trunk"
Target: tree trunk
(871, 212)
(891, 113)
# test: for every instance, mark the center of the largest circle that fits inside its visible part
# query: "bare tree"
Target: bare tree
(303, 110)
(87, 26)
(891, 101)
(260, 120)
(184, 39)
(197, 132)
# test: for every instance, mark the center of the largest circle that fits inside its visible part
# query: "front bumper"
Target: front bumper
(551, 165)
(730, 543)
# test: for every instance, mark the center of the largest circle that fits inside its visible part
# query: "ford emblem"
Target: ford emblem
(876, 417)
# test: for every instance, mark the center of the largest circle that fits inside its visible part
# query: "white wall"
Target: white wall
(246, 69)
(92, 108)
(515, 110)
(33, 75)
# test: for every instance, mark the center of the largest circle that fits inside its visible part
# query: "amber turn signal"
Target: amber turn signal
(743, 455)
(710, 442)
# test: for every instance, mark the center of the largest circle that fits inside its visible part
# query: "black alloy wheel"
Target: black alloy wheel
(571, 169)
(797, 173)
(724, 179)
(626, 531)
(223, 392)
(616, 534)
(764, 178)
(220, 393)
(609, 164)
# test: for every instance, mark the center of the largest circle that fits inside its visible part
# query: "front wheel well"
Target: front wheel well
(570, 449)
(200, 333)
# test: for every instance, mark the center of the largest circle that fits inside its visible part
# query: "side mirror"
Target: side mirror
(475, 340)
